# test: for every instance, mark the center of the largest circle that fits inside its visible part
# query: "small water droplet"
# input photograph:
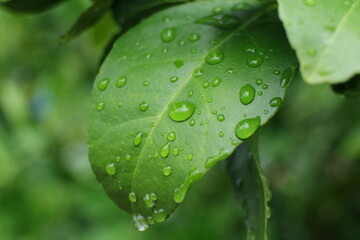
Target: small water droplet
(132, 197)
(165, 150)
(265, 86)
(190, 157)
(214, 112)
(146, 83)
(286, 77)
(194, 37)
(179, 63)
(150, 220)
(309, 3)
(103, 84)
(250, 48)
(206, 84)
(216, 82)
(171, 136)
(168, 35)
(140, 223)
(215, 57)
(311, 52)
(174, 79)
(119, 105)
(198, 73)
(167, 171)
(176, 151)
(259, 81)
(120, 187)
(255, 61)
(221, 134)
(192, 122)
(223, 21)
(220, 117)
(217, 9)
(247, 127)
(276, 72)
(100, 106)
(259, 93)
(143, 106)
(190, 93)
(121, 81)
(159, 215)
(247, 94)
(138, 139)
(209, 100)
(181, 111)
(148, 201)
(275, 102)
(118, 158)
(110, 169)
(128, 157)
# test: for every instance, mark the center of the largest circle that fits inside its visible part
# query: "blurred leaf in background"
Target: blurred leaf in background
(310, 151)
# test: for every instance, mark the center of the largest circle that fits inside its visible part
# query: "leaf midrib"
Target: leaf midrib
(186, 81)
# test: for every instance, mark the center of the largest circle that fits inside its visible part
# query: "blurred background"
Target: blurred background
(310, 151)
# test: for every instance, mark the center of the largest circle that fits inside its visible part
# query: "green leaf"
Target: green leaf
(30, 5)
(251, 187)
(128, 13)
(166, 103)
(326, 36)
(87, 19)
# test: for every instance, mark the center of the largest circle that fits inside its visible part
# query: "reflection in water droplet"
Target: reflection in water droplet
(190, 93)
(140, 223)
(265, 86)
(168, 35)
(110, 169)
(159, 215)
(247, 94)
(216, 82)
(215, 57)
(143, 106)
(174, 79)
(206, 84)
(198, 73)
(167, 171)
(102, 85)
(128, 157)
(255, 61)
(132, 197)
(176, 151)
(148, 201)
(100, 106)
(181, 111)
(138, 139)
(275, 102)
(192, 122)
(247, 127)
(194, 37)
(171, 136)
(276, 72)
(165, 150)
(259, 81)
(221, 134)
(220, 117)
(121, 81)
(286, 77)
(190, 157)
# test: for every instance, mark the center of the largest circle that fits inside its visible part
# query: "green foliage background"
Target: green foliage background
(310, 151)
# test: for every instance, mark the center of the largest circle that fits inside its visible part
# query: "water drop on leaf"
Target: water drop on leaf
(143, 106)
(247, 127)
(247, 94)
(275, 102)
(168, 35)
(167, 171)
(102, 85)
(165, 150)
(138, 139)
(215, 57)
(132, 197)
(121, 81)
(181, 111)
(110, 169)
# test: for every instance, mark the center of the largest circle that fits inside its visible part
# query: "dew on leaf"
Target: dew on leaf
(148, 201)
(275, 102)
(150, 220)
(143, 106)
(190, 93)
(193, 176)
(118, 159)
(265, 86)
(153, 196)
(179, 63)
(198, 72)
(276, 72)
(100, 106)
(146, 83)
(110, 169)
(221, 134)
(167, 171)
(181, 111)
(254, 61)
(103, 84)
(241, 6)
(216, 82)
(209, 100)
(190, 156)
(247, 94)
(206, 84)
(194, 37)
(250, 48)
(211, 161)
(174, 79)
(247, 127)
(119, 105)
(165, 150)
(138, 139)
(176, 151)
(159, 215)
(259, 81)
(132, 197)
(128, 157)
(120, 187)
(259, 93)
(171, 136)
(285, 77)
(168, 35)
(140, 223)
(192, 122)
(223, 21)
(220, 117)
(215, 57)
(121, 82)
(217, 9)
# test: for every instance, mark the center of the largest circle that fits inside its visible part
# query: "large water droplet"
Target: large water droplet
(167, 171)
(138, 139)
(168, 35)
(285, 77)
(181, 111)
(121, 81)
(247, 127)
(255, 61)
(132, 197)
(110, 169)
(247, 94)
(102, 85)
(275, 102)
(143, 106)
(165, 150)
(223, 21)
(215, 57)
(192, 177)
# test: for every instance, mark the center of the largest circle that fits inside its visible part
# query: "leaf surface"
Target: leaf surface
(166, 103)
(326, 37)
(251, 187)
(30, 5)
